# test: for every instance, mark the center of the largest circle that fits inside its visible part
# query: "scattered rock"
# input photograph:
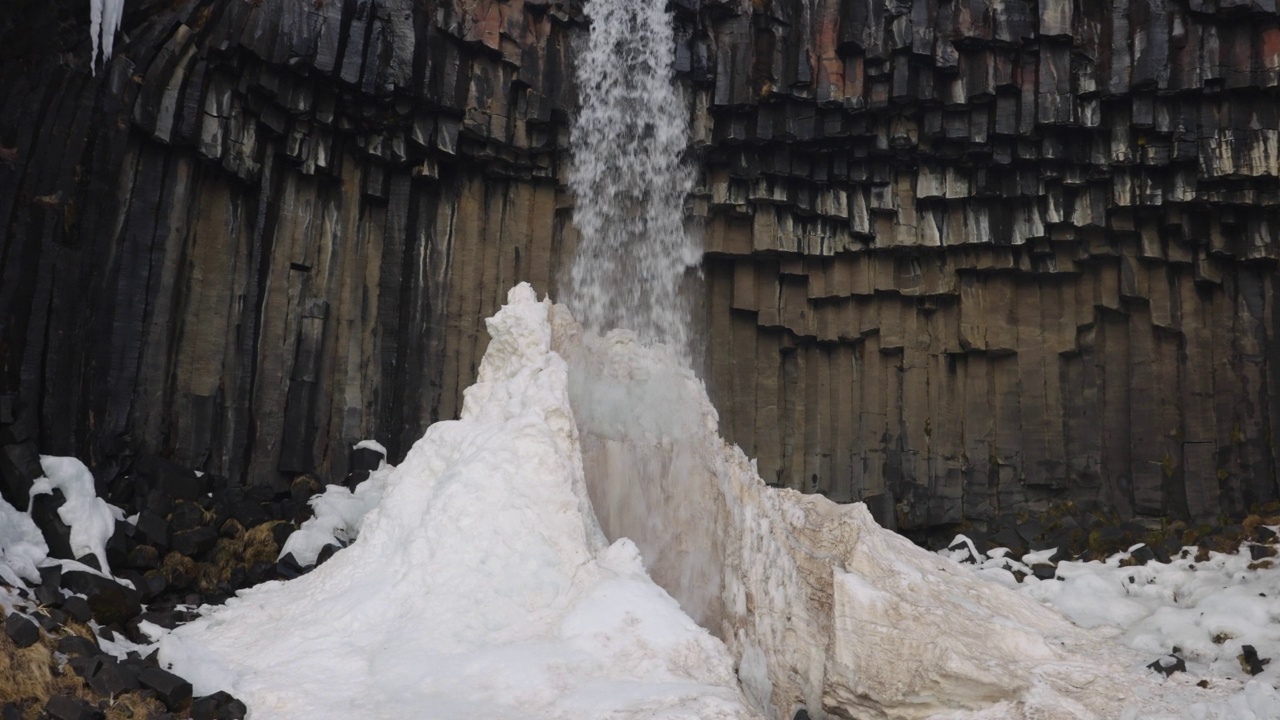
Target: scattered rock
(114, 678)
(1168, 665)
(288, 567)
(78, 608)
(143, 557)
(77, 645)
(186, 516)
(218, 706)
(63, 707)
(1261, 552)
(44, 513)
(21, 630)
(1044, 571)
(172, 690)
(152, 529)
(109, 601)
(19, 469)
(327, 552)
(1249, 660)
(86, 665)
(194, 543)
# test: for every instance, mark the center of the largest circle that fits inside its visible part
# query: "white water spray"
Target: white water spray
(628, 178)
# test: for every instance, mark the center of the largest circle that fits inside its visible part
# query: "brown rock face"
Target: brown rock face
(971, 256)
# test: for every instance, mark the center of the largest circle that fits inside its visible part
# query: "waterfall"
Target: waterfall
(628, 178)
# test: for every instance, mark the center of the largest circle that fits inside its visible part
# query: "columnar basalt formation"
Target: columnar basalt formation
(968, 257)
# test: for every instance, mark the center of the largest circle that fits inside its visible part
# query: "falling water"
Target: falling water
(628, 178)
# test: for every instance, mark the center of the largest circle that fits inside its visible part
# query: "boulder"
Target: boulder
(21, 630)
(63, 707)
(172, 690)
(109, 601)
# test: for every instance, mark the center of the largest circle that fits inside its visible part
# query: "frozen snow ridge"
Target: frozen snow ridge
(628, 179)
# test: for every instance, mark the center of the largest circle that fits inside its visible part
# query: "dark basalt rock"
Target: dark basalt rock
(186, 516)
(63, 707)
(218, 706)
(109, 601)
(57, 534)
(289, 568)
(143, 557)
(21, 630)
(19, 469)
(77, 608)
(1250, 662)
(194, 543)
(1168, 665)
(152, 529)
(76, 645)
(113, 678)
(172, 690)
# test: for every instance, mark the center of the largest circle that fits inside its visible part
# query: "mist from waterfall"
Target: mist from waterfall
(628, 178)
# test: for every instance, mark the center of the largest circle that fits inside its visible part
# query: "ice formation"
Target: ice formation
(482, 583)
(104, 22)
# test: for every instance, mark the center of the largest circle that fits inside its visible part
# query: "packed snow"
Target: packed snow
(1203, 612)
(22, 547)
(338, 513)
(480, 585)
(92, 520)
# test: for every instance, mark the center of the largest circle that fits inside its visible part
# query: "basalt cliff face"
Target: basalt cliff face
(962, 257)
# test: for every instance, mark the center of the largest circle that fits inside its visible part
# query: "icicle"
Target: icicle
(95, 25)
(104, 21)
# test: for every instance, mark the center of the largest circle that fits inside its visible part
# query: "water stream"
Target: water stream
(628, 178)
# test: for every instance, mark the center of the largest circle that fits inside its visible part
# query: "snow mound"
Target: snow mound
(338, 513)
(22, 547)
(481, 585)
(92, 520)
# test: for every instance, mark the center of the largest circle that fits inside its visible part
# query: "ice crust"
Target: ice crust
(482, 584)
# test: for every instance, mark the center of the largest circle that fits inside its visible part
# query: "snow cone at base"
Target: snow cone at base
(482, 585)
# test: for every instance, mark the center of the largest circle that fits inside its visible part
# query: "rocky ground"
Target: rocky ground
(76, 645)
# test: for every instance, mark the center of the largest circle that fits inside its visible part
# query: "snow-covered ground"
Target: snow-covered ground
(481, 583)
(1202, 612)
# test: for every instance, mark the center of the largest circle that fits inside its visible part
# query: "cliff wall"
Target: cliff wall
(966, 257)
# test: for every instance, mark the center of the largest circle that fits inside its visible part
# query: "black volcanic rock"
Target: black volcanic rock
(44, 513)
(172, 690)
(63, 707)
(218, 706)
(21, 630)
(109, 601)
(19, 468)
